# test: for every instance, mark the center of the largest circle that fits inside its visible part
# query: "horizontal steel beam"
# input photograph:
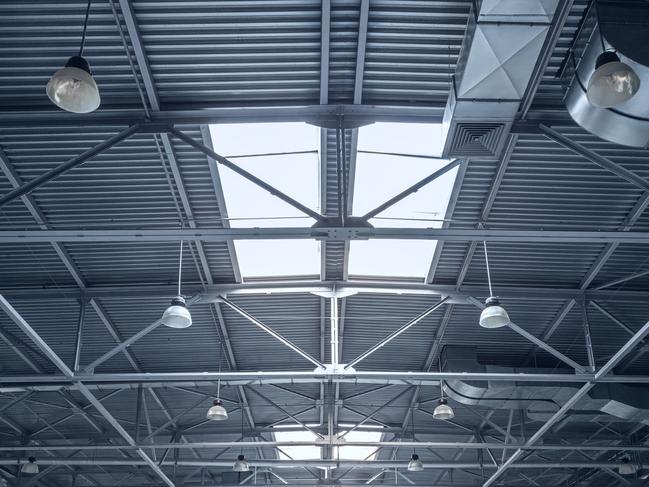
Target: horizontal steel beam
(321, 115)
(80, 462)
(436, 445)
(323, 233)
(209, 294)
(128, 380)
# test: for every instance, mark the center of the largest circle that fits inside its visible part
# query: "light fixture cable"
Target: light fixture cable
(85, 28)
(486, 258)
(218, 382)
(180, 266)
(441, 381)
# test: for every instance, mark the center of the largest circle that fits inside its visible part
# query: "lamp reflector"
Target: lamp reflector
(415, 464)
(73, 89)
(612, 83)
(443, 410)
(31, 467)
(241, 465)
(217, 412)
(626, 467)
(177, 315)
(494, 315)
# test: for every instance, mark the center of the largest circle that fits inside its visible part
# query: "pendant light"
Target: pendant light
(177, 315)
(612, 83)
(626, 467)
(415, 464)
(217, 412)
(241, 465)
(31, 467)
(72, 88)
(443, 411)
(494, 315)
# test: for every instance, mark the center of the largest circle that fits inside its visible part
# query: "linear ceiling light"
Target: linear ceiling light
(73, 88)
(494, 315)
(177, 315)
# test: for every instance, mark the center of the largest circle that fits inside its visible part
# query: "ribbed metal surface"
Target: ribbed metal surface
(368, 320)
(412, 48)
(296, 317)
(550, 93)
(207, 52)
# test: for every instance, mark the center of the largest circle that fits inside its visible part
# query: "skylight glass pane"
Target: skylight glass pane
(359, 452)
(381, 176)
(262, 258)
(400, 258)
(250, 206)
(297, 452)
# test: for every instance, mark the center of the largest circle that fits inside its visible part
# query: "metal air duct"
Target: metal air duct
(501, 48)
(541, 400)
(620, 27)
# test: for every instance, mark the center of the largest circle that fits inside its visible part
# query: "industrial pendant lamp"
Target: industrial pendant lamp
(217, 412)
(73, 88)
(241, 465)
(626, 467)
(177, 315)
(415, 464)
(494, 315)
(31, 467)
(443, 411)
(612, 83)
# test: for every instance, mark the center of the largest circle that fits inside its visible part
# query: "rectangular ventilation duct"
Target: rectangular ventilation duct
(503, 42)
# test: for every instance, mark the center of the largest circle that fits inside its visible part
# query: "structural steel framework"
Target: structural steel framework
(58, 390)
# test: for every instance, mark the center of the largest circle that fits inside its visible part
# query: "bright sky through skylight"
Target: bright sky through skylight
(379, 177)
(314, 452)
(359, 452)
(297, 452)
(250, 206)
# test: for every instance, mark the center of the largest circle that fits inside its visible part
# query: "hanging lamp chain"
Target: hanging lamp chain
(85, 28)
(486, 258)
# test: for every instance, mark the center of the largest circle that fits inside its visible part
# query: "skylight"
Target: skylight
(297, 452)
(359, 452)
(250, 206)
(381, 176)
(351, 452)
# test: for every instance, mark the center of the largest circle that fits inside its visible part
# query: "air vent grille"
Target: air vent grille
(470, 139)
